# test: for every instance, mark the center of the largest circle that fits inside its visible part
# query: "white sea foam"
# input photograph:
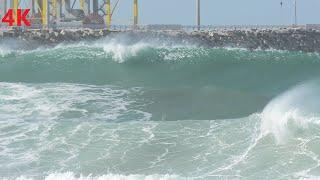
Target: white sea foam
(73, 176)
(120, 52)
(10, 46)
(51, 101)
(118, 48)
(304, 176)
(122, 47)
(4, 51)
(295, 109)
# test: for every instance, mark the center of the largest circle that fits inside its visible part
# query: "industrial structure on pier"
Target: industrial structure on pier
(66, 13)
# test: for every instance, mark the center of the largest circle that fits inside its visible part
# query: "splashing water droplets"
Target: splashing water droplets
(292, 111)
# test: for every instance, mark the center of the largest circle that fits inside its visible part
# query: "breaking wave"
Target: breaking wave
(117, 59)
(146, 106)
(123, 48)
(294, 110)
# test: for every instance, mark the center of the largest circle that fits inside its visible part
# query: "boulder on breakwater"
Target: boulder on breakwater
(54, 36)
(279, 39)
(291, 39)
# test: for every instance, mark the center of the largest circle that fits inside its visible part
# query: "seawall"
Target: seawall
(291, 39)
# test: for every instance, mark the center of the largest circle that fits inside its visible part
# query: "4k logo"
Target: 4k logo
(20, 18)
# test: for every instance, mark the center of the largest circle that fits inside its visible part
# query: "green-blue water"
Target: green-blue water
(150, 109)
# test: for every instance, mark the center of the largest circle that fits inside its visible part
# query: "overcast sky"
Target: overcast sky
(220, 12)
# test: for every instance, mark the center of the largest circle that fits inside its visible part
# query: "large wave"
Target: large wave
(82, 99)
(42, 118)
(151, 60)
(294, 110)
(125, 47)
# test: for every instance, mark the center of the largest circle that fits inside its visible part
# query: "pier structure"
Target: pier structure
(44, 14)
(198, 12)
(135, 13)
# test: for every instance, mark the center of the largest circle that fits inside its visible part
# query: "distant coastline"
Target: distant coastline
(290, 39)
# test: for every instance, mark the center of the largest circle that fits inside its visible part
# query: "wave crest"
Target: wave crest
(292, 111)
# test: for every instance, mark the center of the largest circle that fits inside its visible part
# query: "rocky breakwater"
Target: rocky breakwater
(54, 36)
(279, 39)
(291, 39)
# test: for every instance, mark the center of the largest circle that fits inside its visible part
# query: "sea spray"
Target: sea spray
(125, 107)
(296, 108)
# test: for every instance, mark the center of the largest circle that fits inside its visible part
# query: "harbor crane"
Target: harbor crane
(64, 13)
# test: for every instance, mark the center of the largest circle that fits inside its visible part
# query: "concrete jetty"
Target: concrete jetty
(291, 39)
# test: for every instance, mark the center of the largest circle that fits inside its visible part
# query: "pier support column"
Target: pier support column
(295, 14)
(58, 10)
(198, 15)
(135, 13)
(15, 6)
(5, 6)
(88, 6)
(44, 13)
(82, 4)
(62, 7)
(108, 13)
(95, 6)
(54, 9)
(33, 7)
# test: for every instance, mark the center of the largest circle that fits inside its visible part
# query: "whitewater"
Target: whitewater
(153, 108)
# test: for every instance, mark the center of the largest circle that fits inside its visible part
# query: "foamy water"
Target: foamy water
(124, 108)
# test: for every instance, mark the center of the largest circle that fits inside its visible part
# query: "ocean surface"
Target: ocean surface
(125, 108)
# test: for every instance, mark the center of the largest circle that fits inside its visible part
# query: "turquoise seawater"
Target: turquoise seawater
(123, 108)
